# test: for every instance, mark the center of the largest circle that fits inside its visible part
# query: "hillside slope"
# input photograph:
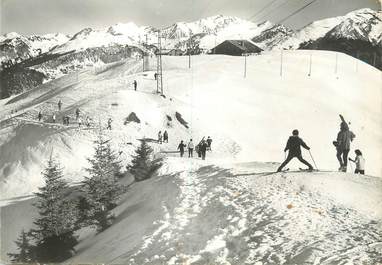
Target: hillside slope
(249, 118)
(197, 212)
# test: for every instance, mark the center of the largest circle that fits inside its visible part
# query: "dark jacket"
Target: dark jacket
(202, 147)
(344, 137)
(294, 145)
(181, 147)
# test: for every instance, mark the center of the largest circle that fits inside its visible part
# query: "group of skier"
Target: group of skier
(201, 148)
(162, 138)
(342, 144)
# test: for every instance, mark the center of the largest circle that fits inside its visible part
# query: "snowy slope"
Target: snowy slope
(199, 212)
(213, 97)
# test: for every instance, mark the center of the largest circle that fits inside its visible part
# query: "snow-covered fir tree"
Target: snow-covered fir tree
(102, 188)
(26, 253)
(142, 165)
(54, 233)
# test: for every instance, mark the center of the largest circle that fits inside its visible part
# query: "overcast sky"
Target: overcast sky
(70, 16)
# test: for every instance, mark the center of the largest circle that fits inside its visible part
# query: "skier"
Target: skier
(165, 137)
(77, 113)
(155, 76)
(135, 85)
(344, 138)
(79, 122)
(294, 146)
(359, 162)
(190, 148)
(67, 120)
(87, 121)
(160, 137)
(109, 121)
(59, 105)
(181, 147)
(54, 118)
(209, 142)
(203, 148)
(39, 116)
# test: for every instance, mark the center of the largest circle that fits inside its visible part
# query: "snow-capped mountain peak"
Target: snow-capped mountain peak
(364, 24)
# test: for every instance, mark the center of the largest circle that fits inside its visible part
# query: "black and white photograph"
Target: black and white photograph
(191, 132)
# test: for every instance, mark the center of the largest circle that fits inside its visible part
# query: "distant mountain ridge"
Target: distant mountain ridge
(358, 30)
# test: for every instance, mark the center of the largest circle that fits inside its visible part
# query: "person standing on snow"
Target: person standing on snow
(87, 121)
(190, 148)
(203, 148)
(165, 137)
(59, 105)
(79, 122)
(181, 147)
(160, 137)
(359, 162)
(344, 138)
(77, 113)
(109, 121)
(135, 85)
(39, 116)
(54, 118)
(294, 146)
(209, 142)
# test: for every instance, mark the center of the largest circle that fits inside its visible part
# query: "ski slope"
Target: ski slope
(204, 212)
(249, 118)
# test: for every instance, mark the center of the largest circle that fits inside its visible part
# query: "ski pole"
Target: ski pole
(313, 159)
(351, 166)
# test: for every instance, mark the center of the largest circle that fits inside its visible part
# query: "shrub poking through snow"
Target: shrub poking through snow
(54, 233)
(25, 249)
(102, 188)
(181, 120)
(142, 166)
(132, 118)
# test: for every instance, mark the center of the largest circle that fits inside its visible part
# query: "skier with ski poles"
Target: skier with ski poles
(135, 85)
(294, 146)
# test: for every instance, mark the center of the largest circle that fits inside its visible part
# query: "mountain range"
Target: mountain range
(53, 55)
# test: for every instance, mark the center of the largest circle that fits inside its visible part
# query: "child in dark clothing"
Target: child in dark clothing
(294, 146)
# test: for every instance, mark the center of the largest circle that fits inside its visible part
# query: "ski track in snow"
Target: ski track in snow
(259, 220)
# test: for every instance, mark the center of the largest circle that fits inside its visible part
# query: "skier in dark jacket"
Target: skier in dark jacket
(165, 137)
(344, 138)
(39, 116)
(135, 85)
(59, 105)
(181, 147)
(203, 148)
(209, 142)
(294, 146)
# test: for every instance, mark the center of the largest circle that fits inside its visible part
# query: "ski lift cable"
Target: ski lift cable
(297, 11)
(275, 9)
(262, 9)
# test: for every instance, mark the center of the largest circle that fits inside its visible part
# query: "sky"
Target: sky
(70, 16)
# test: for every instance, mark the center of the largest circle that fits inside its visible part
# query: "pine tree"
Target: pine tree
(102, 188)
(25, 254)
(54, 235)
(143, 166)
